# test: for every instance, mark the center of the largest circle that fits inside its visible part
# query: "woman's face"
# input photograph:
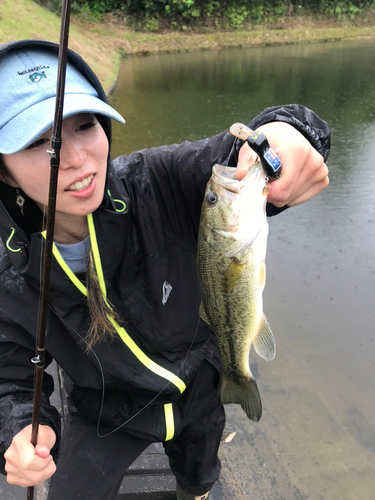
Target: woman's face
(82, 172)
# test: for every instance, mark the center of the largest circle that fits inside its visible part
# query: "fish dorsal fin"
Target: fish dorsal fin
(202, 313)
(264, 344)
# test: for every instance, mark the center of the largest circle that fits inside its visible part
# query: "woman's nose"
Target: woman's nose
(72, 154)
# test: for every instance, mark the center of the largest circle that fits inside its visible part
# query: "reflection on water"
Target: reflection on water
(316, 438)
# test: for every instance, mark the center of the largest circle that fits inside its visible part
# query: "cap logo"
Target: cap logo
(36, 77)
(32, 70)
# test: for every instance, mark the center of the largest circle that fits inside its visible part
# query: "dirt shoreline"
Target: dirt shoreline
(296, 37)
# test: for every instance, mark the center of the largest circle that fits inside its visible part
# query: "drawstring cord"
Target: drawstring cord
(9, 240)
(120, 202)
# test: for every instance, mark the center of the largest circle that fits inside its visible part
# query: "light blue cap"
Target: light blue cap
(28, 95)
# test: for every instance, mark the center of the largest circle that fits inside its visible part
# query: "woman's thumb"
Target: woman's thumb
(42, 450)
(46, 440)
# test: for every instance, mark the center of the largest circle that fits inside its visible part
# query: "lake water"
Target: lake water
(316, 439)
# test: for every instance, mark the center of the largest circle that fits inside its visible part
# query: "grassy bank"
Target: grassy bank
(101, 44)
(26, 19)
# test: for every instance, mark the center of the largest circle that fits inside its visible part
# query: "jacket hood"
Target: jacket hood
(30, 221)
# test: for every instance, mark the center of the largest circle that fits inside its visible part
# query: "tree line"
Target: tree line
(153, 15)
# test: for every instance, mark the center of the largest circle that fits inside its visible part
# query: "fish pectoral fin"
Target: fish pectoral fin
(233, 274)
(242, 245)
(202, 313)
(245, 394)
(239, 248)
(264, 343)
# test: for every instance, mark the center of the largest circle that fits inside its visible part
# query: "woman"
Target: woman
(140, 366)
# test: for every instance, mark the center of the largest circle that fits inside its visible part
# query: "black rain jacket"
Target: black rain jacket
(144, 238)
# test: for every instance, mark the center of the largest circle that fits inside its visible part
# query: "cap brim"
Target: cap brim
(23, 130)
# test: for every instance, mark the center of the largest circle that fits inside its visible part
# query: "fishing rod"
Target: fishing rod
(54, 153)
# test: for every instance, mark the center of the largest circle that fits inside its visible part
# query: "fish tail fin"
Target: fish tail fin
(246, 394)
(265, 344)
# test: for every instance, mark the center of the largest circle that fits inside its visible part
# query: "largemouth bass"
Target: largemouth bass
(232, 246)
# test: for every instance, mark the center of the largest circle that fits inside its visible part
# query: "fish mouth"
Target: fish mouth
(80, 185)
(226, 177)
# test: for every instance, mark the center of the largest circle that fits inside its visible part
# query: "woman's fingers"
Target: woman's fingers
(308, 183)
(304, 173)
(246, 158)
(307, 195)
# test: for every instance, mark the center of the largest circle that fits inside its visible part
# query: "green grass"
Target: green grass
(25, 19)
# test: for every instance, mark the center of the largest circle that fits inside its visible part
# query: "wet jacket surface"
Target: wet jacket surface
(144, 238)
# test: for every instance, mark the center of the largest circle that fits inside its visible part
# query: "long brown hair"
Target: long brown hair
(100, 328)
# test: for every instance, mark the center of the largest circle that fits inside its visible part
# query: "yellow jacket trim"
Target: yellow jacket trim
(125, 337)
(144, 359)
(81, 287)
(96, 255)
(169, 421)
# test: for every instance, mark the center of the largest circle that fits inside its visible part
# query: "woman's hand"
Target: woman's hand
(26, 465)
(304, 173)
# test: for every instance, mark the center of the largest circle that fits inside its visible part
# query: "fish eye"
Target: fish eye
(211, 198)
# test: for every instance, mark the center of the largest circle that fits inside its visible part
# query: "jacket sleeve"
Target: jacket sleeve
(16, 388)
(179, 173)
(303, 119)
